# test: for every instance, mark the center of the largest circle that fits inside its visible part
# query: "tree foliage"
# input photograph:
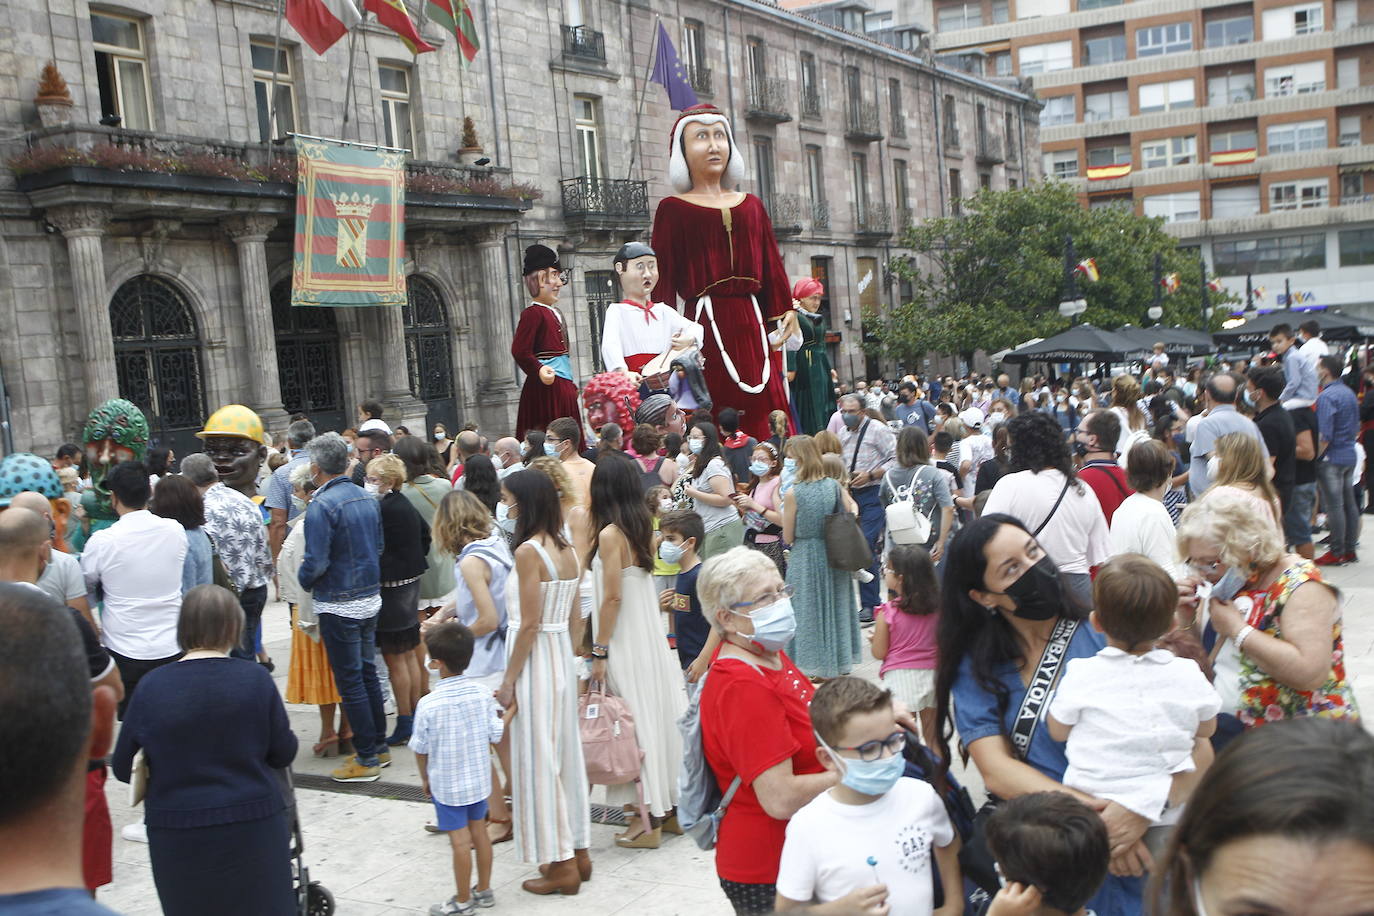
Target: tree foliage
(994, 276)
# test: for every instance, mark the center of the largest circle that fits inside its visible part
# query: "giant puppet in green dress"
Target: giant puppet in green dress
(813, 383)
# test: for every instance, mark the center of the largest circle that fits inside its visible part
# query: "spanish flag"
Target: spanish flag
(1170, 283)
(393, 15)
(1233, 157)
(1088, 268)
(1215, 285)
(1099, 172)
(1259, 293)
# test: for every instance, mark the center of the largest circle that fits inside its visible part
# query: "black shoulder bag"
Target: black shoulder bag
(1053, 509)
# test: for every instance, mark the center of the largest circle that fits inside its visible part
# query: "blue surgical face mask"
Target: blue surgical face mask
(851, 420)
(1229, 585)
(503, 518)
(298, 503)
(550, 449)
(774, 625)
(669, 552)
(789, 464)
(696, 445)
(759, 469)
(868, 777)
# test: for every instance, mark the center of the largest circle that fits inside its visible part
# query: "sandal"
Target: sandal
(346, 744)
(507, 835)
(327, 747)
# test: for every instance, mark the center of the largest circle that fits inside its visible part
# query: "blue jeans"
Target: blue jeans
(252, 600)
(1297, 517)
(352, 649)
(873, 521)
(1342, 515)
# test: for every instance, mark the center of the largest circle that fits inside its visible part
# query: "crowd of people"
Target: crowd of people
(1086, 587)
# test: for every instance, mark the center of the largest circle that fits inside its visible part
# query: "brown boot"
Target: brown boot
(561, 878)
(584, 865)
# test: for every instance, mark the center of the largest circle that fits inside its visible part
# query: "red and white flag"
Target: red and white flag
(322, 22)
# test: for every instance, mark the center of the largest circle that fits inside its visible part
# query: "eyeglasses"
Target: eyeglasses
(876, 750)
(786, 591)
(1205, 568)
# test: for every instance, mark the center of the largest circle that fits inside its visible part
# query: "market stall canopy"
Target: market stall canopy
(1002, 354)
(1081, 343)
(1177, 341)
(1255, 332)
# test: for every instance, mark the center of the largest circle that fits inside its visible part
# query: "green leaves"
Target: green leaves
(993, 277)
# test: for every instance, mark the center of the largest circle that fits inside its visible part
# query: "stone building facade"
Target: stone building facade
(173, 289)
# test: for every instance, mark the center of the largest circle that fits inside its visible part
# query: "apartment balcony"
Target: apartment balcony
(768, 101)
(584, 43)
(788, 212)
(606, 204)
(1353, 200)
(863, 124)
(906, 218)
(952, 144)
(820, 214)
(810, 103)
(873, 221)
(989, 149)
(898, 130)
(700, 79)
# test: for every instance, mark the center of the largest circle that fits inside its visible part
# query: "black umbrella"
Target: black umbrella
(1080, 343)
(1255, 332)
(1177, 341)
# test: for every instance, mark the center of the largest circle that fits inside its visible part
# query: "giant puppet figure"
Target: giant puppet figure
(716, 253)
(813, 384)
(638, 331)
(115, 431)
(540, 346)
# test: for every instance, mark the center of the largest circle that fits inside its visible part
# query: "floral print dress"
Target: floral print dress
(1263, 699)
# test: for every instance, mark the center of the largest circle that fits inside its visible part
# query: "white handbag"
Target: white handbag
(904, 524)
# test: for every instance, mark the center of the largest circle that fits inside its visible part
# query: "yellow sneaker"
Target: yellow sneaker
(352, 772)
(383, 759)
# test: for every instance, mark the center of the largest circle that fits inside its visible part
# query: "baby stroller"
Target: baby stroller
(312, 897)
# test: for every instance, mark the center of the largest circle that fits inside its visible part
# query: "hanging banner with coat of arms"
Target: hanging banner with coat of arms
(350, 225)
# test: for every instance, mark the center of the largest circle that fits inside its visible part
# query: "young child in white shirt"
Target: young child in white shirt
(455, 726)
(878, 833)
(1132, 714)
(1051, 852)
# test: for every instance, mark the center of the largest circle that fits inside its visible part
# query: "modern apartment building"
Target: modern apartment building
(1248, 127)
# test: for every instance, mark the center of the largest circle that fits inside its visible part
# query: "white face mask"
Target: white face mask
(372, 488)
(438, 437)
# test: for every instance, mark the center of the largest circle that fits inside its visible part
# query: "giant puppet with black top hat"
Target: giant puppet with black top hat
(540, 346)
(716, 252)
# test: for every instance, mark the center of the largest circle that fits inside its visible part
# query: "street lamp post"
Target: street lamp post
(1250, 311)
(1072, 305)
(1206, 301)
(1156, 311)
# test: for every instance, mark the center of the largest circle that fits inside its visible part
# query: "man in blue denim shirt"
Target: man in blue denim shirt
(342, 570)
(1338, 423)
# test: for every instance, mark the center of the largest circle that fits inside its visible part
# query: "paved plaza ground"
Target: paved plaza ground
(377, 859)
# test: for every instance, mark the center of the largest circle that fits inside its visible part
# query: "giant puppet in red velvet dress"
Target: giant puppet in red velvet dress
(540, 346)
(717, 253)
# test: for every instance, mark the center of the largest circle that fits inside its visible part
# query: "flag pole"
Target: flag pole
(276, 56)
(348, 91)
(643, 92)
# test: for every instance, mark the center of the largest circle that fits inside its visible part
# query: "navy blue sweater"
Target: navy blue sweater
(213, 731)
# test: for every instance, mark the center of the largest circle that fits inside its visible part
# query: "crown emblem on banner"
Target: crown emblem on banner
(355, 205)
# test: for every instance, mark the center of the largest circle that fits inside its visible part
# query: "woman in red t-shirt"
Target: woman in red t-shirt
(755, 722)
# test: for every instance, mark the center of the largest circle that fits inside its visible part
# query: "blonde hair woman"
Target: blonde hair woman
(1125, 403)
(828, 443)
(1239, 466)
(577, 530)
(827, 641)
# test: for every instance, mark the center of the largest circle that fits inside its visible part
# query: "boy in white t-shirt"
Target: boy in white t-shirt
(877, 832)
(1132, 714)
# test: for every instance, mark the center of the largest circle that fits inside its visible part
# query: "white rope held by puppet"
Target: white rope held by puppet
(704, 303)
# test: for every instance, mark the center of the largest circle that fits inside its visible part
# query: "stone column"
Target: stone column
(83, 226)
(249, 234)
(494, 316)
(402, 407)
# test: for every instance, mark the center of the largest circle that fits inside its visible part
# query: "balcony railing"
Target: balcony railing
(820, 214)
(1351, 200)
(906, 218)
(898, 124)
(864, 124)
(581, 41)
(952, 139)
(606, 203)
(810, 103)
(787, 211)
(700, 80)
(768, 101)
(989, 148)
(1349, 139)
(872, 219)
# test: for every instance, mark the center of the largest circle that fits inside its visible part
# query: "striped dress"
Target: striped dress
(550, 805)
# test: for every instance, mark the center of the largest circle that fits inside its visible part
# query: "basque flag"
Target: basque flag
(670, 74)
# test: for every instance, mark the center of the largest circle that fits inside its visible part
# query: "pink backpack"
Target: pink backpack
(609, 744)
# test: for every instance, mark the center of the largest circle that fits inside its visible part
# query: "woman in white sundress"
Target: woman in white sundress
(630, 652)
(549, 775)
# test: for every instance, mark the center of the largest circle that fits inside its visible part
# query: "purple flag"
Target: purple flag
(671, 74)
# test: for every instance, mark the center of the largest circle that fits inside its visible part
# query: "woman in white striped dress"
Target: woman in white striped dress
(549, 779)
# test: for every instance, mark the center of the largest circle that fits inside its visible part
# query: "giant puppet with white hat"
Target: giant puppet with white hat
(717, 254)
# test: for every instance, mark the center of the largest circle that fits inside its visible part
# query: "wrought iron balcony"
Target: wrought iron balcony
(820, 214)
(583, 42)
(768, 101)
(898, 125)
(787, 212)
(872, 220)
(700, 80)
(952, 139)
(989, 149)
(906, 218)
(606, 203)
(810, 103)
(864, 124)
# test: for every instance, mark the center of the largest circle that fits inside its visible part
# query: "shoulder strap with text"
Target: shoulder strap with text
(1041, 685)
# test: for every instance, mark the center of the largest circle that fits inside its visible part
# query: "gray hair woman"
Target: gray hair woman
(1279, 653)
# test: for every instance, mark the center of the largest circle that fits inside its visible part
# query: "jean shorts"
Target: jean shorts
(456, 817)
(1297, 519)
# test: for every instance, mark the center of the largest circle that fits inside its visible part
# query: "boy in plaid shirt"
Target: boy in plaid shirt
(455, 726)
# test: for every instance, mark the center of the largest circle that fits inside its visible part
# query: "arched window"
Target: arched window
(157, 357)
(308, 359)
(429, 341)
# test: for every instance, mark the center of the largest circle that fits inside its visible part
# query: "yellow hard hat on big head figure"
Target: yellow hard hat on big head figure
(234, 420)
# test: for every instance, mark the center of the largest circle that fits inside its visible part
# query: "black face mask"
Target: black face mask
(1079, 448)
(1038, 593)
